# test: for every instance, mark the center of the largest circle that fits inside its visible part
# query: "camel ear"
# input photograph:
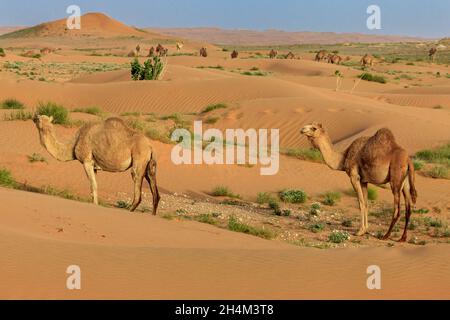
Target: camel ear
(51, 119)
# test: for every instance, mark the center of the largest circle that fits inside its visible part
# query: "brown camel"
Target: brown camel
(234, 54)
(367, 60)
(151, 52)
(273, 54)
(161, 51)
(432, 54)
(110, 146)
(334, 59)
(138, 50)
(203, 52)
(321, 55)
(290, 55)
(377, 160)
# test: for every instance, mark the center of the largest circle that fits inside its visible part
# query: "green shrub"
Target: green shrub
(122, 204)
(58, 112)
(222, 191)
(435, 223)
(151, 70)
(438, 155)
(96, 111)
(274, 205)
(6, 179)
(331, 198)
(264, 197)
(315, 209)
(11, 104)
(310, 154)
(338, 236)
(347, 223)
(236, 226)
(293, 196)
(212, 120)
(373, 78)
(372, 194)
(2, 52)
(418, 165)
(438, 172)
(206, 218)
(213, 107)
(317, 227)
(36, 157)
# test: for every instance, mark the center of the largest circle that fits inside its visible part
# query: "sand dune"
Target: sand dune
(142, 257)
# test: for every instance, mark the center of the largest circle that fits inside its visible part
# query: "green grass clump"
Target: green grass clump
(18, 116)
(213, 107)
(264, 197)
(317, 227)
(121, 204)
(438, 172)
(305, 154)
(6, 179)
(206, 218)
(212, 120)
(338, 236)
(96, 111)
(293, 196)
(36, 157)
(10, 104)
(418, 165)
(237, 226)
(347, 223)
(373, 78)
(435, 223)
(222, 191)
(315, 208)
(372, 194)
(331, 198)
(58, 112)
(2, 52)
(439, 155)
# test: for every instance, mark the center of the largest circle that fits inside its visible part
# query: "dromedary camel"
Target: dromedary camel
(334, 59)
(321, 55)
(180, 46)
(110, 146)
(273, 54)
(234, 54)
(367, 60)
(432, 54)
(377, 160)
(203, 52)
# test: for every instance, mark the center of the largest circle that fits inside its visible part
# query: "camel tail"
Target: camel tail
(412, 181)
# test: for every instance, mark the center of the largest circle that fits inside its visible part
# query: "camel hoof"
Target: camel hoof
(402, 240)
(361, 232)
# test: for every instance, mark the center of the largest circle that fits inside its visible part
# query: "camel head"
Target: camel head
(43, 122)
(313, 132)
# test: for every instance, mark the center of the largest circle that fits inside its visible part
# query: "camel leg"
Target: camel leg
(396, 186)
(150, 176)
(408, 202)
(90, 172)
(364, 187)
(355, 179)
(137, 172)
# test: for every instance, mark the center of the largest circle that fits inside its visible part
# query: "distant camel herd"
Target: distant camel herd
(113, 147)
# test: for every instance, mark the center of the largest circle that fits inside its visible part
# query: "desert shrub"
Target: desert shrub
(122, 204)
(18, 115)
(36, 157)
(373, 78)
(206, 218)
(274, 205)
(331, 198)
(212, 120)
(338, 236)
(96, 111)
(264, 197)
(2, 52)
(435, 223)
(235, 225)
(438, 172)
(213, 107)
(315, 209)
(309, 154)
(317, 227)
(11, 104)
(155, 134)
(6, 179)
(58, 112)
(150, 70)
(372, 194)
(293, 196)
(222, 191)
(438, 155)
(418, 165)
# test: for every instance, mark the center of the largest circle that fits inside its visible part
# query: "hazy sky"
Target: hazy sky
(427, 18)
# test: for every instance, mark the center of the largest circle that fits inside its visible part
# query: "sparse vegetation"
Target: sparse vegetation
(331, 198)
(18, 116)
(58, 112)
(438, 172)
(293, 196)
(96, 111)
(2, 53)
(213, 107)
(222, 191)
(36, 157)
(317, 227)
(150, 70)
(372, 194)
(373, 78)
(338, 236)
(264, 197)
(235, 225)
(6, 179)
(310, 154)
(11, 104)
(315, 208)
(121, 204)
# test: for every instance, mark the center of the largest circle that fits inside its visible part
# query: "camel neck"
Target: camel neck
(60, 151)
(334, 159)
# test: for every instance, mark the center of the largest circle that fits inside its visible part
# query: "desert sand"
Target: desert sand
(137, 256)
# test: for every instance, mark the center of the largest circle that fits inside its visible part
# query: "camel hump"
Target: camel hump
(115, 123)
(384, 136)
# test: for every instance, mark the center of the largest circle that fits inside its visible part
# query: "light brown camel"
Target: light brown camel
(110, 146)
(321, 55)
(203, 52)
(273, 54)
(180, 46)
(367, 60)
(334, 59)
(377, 160)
